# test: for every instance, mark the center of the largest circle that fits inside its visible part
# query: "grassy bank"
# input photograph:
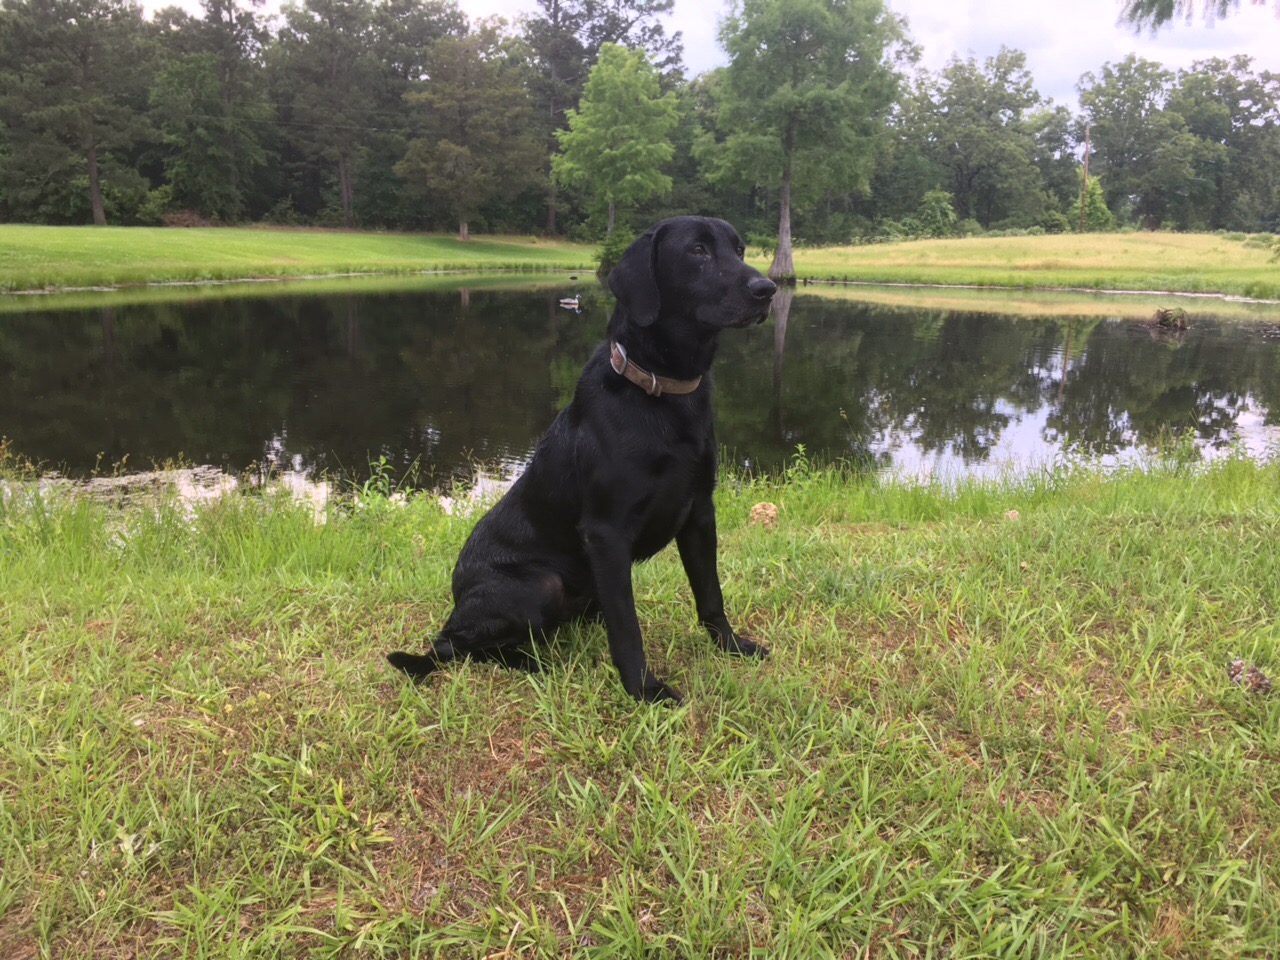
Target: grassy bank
(1194, 263)
(40, 257)
(34, 257)
(981, 734)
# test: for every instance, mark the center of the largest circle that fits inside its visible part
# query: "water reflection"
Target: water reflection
(325, 384)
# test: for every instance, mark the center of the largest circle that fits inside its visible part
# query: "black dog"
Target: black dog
(629, 465)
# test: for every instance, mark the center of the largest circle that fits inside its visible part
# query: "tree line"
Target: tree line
(403, 114)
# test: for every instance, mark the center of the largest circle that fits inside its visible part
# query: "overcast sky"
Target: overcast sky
(1061, 40)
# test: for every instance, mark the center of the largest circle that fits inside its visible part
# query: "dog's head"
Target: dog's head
(690, 269)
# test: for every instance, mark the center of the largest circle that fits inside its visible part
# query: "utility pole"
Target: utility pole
(1084, 184)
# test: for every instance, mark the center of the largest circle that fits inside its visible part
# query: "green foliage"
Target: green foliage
(611, 249)
(1097, 216)
(73, 78)
(213, 146)
(975, 123)
(478, 144)
(803, 97)
(1055, 221)
(936, 216)
(618, 138)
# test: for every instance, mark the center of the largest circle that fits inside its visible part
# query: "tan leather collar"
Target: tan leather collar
(650, 383)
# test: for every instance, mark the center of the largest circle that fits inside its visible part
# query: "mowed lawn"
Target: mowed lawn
(50, 257)
(33, 257)
(1190, 262)
(997, 722)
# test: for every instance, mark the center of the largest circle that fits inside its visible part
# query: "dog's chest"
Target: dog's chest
(663, 511)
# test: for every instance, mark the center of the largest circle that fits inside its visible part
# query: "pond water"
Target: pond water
(323, 384)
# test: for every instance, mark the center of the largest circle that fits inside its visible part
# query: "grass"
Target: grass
(980, 734)
(33, 257)
(1035, 303)
(53, 257)
(1187, 262)
(328, 286)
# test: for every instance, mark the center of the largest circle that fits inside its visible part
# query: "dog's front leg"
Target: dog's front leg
(697, 543)
(610, 557)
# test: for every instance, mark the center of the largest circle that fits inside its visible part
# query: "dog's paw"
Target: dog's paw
(415, 665)
(655, 691)
(741, 645)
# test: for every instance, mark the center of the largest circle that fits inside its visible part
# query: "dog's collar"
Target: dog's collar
(650, 383)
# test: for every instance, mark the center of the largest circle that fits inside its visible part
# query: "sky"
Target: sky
(1062, 40)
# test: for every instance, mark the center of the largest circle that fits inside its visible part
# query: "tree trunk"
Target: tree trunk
(783, 267)
(552, 198)
(613, 216)
(344, 187)
(95, 187)
(463, 234)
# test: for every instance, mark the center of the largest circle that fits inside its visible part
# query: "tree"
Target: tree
(329, 73)
(478, 141)
(802, 102)
(208, 105)
(1144, 149)
(1096, 215)
(618, 140)
(72, 91)
(1233, 112)
(977, 127)
(936, 217)
(565, 41)
(1156, 13)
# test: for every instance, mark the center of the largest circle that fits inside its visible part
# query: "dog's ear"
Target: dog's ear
(634, 280)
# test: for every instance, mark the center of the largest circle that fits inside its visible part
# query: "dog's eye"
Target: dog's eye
(698, 250)
(742, 252)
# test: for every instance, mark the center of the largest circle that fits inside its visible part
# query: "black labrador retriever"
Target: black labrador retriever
(626, 467)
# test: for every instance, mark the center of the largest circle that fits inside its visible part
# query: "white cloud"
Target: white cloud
(1061, 41)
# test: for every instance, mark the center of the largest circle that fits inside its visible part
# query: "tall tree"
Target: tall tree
(1144, 149)
(209, 105)
(1235, 113)
(478, 142)
(565, 40)
(978, 127)
(804, 98)
(72, 92)
(618, 139)
(329, 73)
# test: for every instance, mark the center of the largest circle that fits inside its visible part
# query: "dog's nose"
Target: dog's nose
(762, 288)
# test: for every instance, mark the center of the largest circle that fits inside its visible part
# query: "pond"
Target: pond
(438, 379)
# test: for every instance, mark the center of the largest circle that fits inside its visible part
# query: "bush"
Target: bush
(1053, 221)
(766, 243)
(283, 214)
(969, 228)
(936, 216)
(611, 250)
(1238, 237)
(184, 218)
(155, 206)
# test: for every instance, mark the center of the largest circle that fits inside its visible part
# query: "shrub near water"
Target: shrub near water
(997, 722)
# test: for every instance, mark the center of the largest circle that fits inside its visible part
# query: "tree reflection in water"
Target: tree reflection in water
(328, 383)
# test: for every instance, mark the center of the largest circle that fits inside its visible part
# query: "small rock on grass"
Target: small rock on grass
(765, 514)
(1249, 677)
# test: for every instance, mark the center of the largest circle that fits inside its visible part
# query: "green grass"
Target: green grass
(34, 257)
(1187, 262)
(329, 286)
(979, 734)
(54, 257)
